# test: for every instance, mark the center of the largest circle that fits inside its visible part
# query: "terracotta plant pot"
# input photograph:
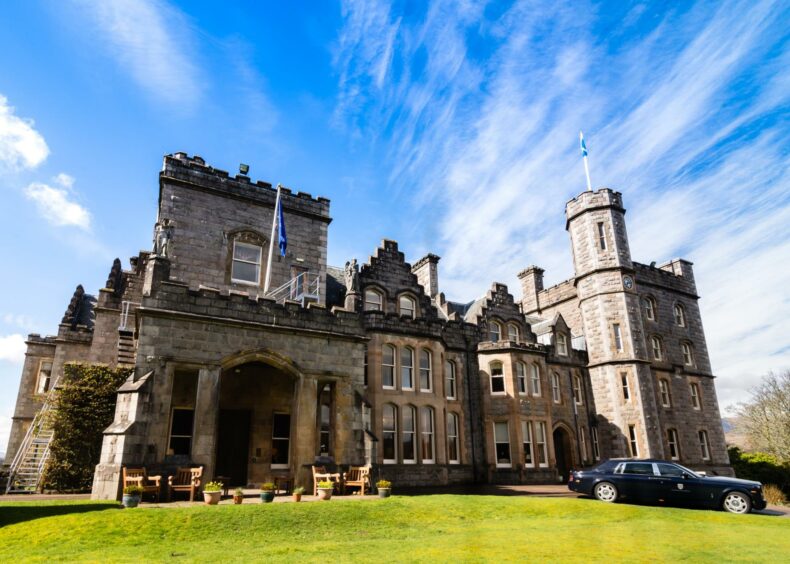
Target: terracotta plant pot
(297, 497)
(267, 496)
(130, 501)
(212, 498)
(325, 494)
(385, 492)
(237, 499)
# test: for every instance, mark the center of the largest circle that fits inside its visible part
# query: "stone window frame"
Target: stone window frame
(494, 328)
(596, 447)
(541, 443)
(665, 392)
(696, 396)
(601, 236)
(286, 465)
(414, 432)
(450, 375)
(454, 438)
(37, 390)
(704, 444)
(377, 291)
(679, 314)
(625, 386)
(393, 431)
(633, 441)
(578, 396)
(513, 332)
(521, 378)
(394, 365)
(583, 443)
(650, 308)
(403, 367)
(411, 298)
(687, 350)
(556, 388)
(617, 333)
(534, 378)
(657, 347)
(170, 434)
(674, 443)
(528, 444)
(421, 370)
(246, 236)
(503, 424)
(501, 376)
(562, 344)
(427, 429)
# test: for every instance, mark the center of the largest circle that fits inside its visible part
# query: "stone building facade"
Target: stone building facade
(373, 364)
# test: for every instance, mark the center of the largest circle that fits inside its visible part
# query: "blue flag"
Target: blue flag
(584, 147)
(281, 225)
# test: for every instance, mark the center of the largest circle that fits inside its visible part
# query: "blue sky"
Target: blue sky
(451, 127)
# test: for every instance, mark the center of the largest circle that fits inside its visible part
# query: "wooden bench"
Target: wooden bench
(139, 477)
(186, 480)
(321, 475)
(357, 476)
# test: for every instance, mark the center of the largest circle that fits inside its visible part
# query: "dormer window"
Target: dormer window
(407, 306)
(562, 344)
(495, 331)
(246, 263)
(373, 301)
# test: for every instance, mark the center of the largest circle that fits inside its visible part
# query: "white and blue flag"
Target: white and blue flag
(583, 146)
(281, 225)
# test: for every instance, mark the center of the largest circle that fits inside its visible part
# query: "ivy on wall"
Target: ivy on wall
(84, 406)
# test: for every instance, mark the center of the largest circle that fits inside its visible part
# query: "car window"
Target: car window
(644, 468)
(670, 470)
(606, 466)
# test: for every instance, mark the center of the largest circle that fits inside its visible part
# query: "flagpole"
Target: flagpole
(271, 243)
(586, 166)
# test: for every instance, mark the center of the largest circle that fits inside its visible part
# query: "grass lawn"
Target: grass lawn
(425, 528)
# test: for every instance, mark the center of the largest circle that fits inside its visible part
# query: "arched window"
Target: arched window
(696, 401)
(426, 431)
(513, 333)
(409, 429)
(450, 380)
(663, 388)
(497, 378)
(555, 388)
(534, 379)
(578, 397)
(650, 308)
(704, 445)
(521, 378)
(374, 301)
(680, 315)
(389, 432)
(407, 368)
(453, 446)
(562, 344)
(688, 354)
(658, 348)
(495, 331)
(388, 367)
(426, 381)
(408, 306)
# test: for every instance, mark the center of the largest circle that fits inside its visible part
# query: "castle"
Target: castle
(373, 364)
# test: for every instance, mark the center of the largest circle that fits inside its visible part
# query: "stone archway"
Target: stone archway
(563, 452)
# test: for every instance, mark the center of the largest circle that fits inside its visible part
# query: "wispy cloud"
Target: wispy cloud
(152, 41)
(56, 205)
(12, 348)
(21, 146)
(20, 320)
(682, 111)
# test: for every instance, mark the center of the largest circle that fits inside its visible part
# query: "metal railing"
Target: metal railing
(126, 309)
(304, 288)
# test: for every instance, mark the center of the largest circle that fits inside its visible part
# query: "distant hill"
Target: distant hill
(733, 434)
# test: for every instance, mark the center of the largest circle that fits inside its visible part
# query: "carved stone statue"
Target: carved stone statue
(163, 232)
(115, 279)
(352, 277)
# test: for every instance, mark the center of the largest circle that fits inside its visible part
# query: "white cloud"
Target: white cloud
(19, 320)
(683, 117)
(55, 205)
(152, 42)
(12, 348)
(21, 146)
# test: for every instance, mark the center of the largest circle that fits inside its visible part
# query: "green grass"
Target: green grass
(426, 528)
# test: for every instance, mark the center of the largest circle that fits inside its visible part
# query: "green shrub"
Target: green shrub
(84, 406)
(761, 467)
(774, 495)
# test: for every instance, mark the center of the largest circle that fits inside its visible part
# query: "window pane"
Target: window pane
(182, 422)
(638, 468)
(372, 301)
(669, 470)
(449, 369)
(248, 253)
(407, 363)
(425, 370)
(281, 425)
(245, 271)
(181, 445)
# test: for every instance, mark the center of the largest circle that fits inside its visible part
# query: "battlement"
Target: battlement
(586, 201)
(676, 274)
(193, 171)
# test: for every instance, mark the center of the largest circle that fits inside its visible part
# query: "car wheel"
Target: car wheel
(737, 502)
(606, 491)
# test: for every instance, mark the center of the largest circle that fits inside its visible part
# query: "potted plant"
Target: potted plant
(212, 492)
(384, 487)
(297, 493)
(132, 495)
(267, 492)
(238, 496)
(325, 488)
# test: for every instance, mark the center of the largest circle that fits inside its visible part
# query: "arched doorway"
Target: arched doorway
(256, 423)
(562, 452)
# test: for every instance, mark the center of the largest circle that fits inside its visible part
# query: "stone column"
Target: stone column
(303, 434)
(204, 441)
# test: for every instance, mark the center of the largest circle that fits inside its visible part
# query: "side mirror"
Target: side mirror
(686, 476)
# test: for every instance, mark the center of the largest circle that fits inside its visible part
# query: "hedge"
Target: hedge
(761, 467)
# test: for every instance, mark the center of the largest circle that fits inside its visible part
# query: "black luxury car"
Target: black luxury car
(664, 481)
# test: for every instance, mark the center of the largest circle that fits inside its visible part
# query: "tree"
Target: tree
(766, 418)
